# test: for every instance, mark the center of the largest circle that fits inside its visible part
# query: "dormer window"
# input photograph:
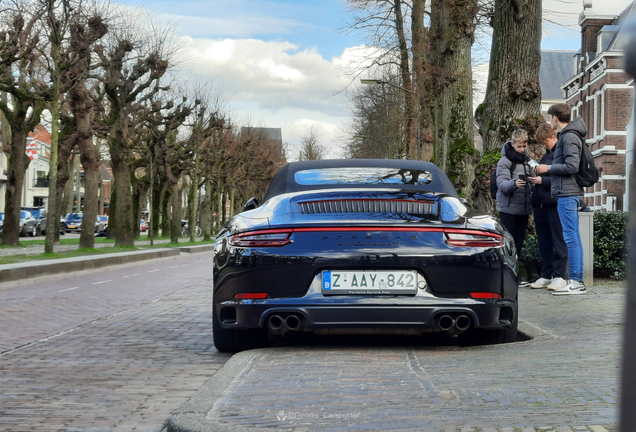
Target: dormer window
(605, 37)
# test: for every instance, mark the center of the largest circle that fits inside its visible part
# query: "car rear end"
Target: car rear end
(367, 261)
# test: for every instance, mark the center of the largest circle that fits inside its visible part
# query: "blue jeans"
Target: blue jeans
(569, 215)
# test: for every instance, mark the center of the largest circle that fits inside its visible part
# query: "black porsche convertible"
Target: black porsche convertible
(362, 246)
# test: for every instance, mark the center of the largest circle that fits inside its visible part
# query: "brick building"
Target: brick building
(601, 93)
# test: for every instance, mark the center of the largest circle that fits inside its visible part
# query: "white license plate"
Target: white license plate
(369, 282)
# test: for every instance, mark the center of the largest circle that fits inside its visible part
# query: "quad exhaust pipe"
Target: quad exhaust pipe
(280, 325)
(453, 324)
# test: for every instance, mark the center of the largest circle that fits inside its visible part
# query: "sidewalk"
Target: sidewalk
(31, 269)
(565, 379)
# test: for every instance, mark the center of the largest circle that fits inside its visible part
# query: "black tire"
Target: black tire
(489, 337)
(62, 232)
(230, 340)
(38, 231)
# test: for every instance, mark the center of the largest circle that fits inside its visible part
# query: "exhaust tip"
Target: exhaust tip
(292, 322)
(445, 322)
(275, 323)
(462, 323)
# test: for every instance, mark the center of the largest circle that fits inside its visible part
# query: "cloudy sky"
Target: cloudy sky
(281, 63)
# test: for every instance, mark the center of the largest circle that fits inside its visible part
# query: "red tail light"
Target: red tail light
(265, 238)
(485, 295)
(471, 238)
(250, 296)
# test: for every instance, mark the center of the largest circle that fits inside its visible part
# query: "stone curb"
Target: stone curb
(32, 269)
(196, 249)
(192, 416)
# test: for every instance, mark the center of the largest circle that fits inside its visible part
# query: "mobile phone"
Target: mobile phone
(522, 177)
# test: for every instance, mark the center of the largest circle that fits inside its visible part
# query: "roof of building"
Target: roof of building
(556, 68)
(41, 134)
(274, 134)
(620, 37)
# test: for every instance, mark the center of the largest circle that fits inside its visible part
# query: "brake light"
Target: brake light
(250, 296)
(485, 295)
(471, 238)
(265, 238)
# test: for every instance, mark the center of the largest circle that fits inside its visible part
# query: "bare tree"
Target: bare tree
(310, 146)
(133, 67)
(22, 81)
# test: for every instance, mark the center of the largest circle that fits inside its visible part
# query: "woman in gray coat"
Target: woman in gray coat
(514, 194)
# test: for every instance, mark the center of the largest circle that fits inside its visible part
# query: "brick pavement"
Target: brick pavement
(565, 379)
(124, 371)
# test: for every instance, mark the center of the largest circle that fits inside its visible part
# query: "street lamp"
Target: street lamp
(382, 82)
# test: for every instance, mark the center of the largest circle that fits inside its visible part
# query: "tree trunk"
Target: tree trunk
(453, 24)
(112, 215)
(175, 214)
(410, 97)
(18, 164)
(166, 214)
(206, 211)
(513, 92)
(90, 156)
(157, 193)
(67, 202)
(123, 188)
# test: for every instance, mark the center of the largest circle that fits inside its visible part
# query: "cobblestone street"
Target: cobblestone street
(126, 371)
(565, 379)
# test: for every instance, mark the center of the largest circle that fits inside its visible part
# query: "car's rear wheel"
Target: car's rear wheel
(230, 340)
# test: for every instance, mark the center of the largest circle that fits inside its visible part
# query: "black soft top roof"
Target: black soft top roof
(285, 180)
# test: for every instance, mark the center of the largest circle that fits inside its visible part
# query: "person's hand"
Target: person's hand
(535, 180)
(520, 183)
(543, 168)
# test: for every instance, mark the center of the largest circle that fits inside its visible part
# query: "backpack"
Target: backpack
(493, 180)
(588, 173)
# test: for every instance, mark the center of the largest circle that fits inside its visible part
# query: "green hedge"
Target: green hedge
(609, 245)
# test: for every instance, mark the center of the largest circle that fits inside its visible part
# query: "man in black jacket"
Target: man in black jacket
(567, 157)
(552, 247)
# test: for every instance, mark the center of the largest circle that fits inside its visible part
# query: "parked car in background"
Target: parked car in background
(40, 228)
(27, 223)
(363, 246)
(143, 226)
(104, 219)
(1, 223)
(74, 222)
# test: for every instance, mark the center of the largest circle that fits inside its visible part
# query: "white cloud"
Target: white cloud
(275, 84)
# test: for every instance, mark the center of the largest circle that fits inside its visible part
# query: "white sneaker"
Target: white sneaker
(541, 283)
(557, 284)
(572, 288)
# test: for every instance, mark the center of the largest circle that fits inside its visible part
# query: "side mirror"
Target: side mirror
(251, 204)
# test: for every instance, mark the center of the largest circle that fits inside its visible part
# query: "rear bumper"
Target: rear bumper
(370, 313)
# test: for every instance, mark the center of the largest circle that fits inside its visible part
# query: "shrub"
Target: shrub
(609, 243)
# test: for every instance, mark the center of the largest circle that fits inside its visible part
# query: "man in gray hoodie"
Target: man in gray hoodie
(567, 156)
